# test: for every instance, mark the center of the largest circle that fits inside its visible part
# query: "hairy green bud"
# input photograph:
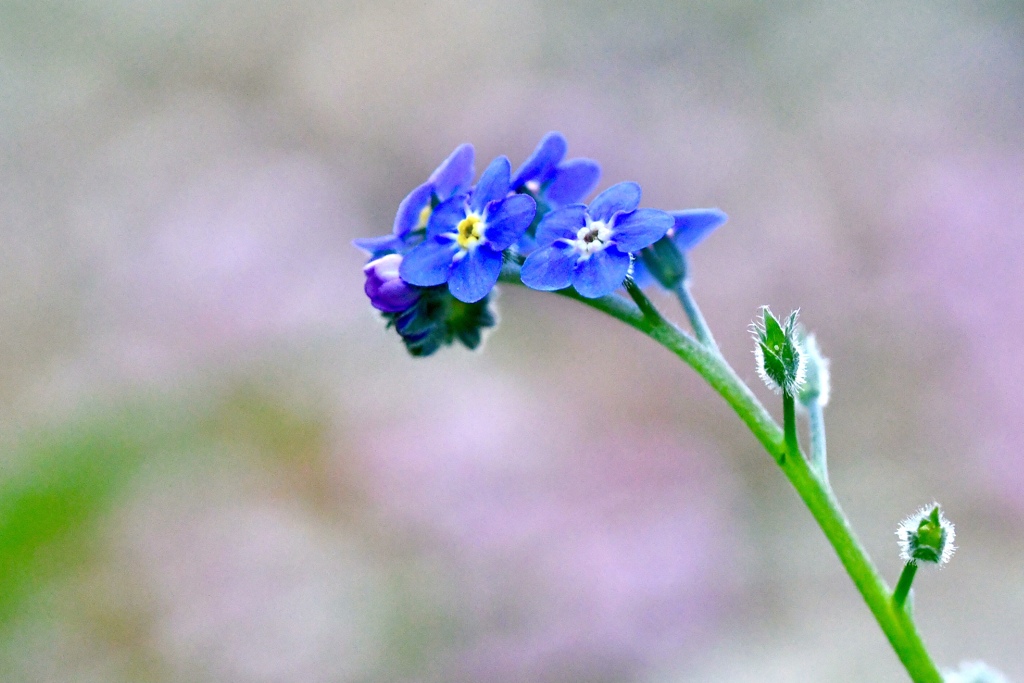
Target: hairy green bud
(926, 536)
(781, 361)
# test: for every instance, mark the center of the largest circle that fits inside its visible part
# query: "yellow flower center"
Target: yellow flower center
(424, 217)
(470, 231)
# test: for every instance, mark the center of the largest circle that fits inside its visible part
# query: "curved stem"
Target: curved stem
(897, 625)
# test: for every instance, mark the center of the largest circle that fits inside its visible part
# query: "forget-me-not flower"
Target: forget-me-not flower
(550, 180)
(589, 247)
(691, 226)
(467, 234)
(665, 260)
(453, 176)
(553, 182)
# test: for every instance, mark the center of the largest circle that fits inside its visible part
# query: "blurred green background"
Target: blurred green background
(217, 465)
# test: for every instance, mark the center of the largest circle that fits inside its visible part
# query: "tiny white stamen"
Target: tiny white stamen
(592, 237)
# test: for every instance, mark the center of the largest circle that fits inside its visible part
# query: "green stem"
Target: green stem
(789, 424)
(697, 322)
(897, 625)
(899, 596)
(819, 457)
(642, 302)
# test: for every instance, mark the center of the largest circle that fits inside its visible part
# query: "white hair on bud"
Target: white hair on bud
(907, 532)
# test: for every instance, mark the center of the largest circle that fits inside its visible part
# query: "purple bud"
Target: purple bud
(387, 291)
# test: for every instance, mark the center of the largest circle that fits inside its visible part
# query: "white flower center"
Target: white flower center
(593, 237)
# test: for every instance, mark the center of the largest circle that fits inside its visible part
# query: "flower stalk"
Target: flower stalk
(452, 241)
(789, 424)
(897, 625)
(814, 396)
(819, 449)
(694, 315)
(899, 596)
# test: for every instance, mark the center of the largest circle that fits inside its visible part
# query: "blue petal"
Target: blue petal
(573, 181)
(693, 225)
(561, 223)
(408, 216)
(476, 274)
(640, 228)
(549, 268)
(507, 219)
(641, 276)
(539, 165)
(429, 263)
(526, 244)
(620, 197)
(455, 173)
(602, 273)
(494, 184)
(378, 245)
(446, 216)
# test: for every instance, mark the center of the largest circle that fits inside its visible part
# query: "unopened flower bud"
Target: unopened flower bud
(388, 292)
(817, 384)
(926, 536)
(781, 362)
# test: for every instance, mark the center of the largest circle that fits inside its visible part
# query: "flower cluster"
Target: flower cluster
(433, 276)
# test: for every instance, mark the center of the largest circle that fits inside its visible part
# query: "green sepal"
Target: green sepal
(781, 362)
(930, 539)
(438, 319)
(665, 262)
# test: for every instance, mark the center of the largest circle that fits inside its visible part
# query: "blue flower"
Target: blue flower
(552, 181)
(467, 234)
(453, 176)
(693, 225)
(664, 261)
(590, 247)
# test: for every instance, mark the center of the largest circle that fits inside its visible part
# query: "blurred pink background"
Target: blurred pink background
(272, 490)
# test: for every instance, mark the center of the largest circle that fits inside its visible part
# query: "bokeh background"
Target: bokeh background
(217, 465)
